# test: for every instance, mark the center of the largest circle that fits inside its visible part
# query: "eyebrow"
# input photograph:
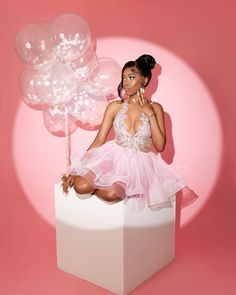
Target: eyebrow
(130, 74)
(134, 71)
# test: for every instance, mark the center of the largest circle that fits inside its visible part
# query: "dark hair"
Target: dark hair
(145, 63)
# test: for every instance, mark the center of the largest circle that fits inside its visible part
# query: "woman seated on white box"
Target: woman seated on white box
(125, 167)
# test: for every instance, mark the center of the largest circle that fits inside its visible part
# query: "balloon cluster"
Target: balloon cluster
(64, 78)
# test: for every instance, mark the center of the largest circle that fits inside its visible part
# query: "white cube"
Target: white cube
(109, 244)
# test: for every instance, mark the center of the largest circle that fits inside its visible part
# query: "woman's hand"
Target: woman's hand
(145, 104)
(156, 118)
(67, 182)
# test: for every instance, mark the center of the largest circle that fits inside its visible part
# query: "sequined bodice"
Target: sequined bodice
(141, 140)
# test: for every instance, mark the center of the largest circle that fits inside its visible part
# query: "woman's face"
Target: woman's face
(132, 81)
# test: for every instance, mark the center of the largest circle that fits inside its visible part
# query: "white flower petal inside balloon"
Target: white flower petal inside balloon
(28, 45)
(43, 46)
(62, 36)
(77, 36)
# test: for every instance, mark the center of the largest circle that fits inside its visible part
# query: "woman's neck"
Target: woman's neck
(134, 98)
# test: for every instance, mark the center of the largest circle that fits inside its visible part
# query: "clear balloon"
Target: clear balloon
(38, 106)
(54, 121)
(91, 90)
(64, 72)
(33, 46)
(70, 36)
(110, 97)
(27, 84)
(105, 76)
(90, 126)
(55, 86)
(82, 66)
(87, 107)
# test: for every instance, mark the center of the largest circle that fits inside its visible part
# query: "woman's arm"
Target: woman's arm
(109, 115)
(106, 125)
(158, 128)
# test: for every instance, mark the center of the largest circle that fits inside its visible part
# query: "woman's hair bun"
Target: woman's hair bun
(146, 59)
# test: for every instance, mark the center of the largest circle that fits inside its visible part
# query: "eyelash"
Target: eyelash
(130, 77)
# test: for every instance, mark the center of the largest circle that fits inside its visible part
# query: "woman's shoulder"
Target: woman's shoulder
(114, 106)
(116, 102)
(158, 108)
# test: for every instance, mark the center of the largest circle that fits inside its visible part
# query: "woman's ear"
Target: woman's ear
(144, 82)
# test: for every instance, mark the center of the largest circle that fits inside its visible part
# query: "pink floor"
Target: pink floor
(202, 33)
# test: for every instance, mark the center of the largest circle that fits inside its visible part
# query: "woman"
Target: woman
(125, 167)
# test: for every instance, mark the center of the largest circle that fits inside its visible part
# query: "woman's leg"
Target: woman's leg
(108, 196)
(83, 186)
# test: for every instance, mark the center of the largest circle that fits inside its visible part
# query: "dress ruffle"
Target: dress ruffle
(139, 178)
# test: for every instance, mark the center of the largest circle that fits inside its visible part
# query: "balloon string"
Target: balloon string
(67, 133)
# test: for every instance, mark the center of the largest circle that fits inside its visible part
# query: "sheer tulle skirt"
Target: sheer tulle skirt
(139, 178)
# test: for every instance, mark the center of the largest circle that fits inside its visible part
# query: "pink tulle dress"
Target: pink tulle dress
(127, 166)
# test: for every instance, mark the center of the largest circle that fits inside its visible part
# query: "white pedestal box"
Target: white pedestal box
(110, 245)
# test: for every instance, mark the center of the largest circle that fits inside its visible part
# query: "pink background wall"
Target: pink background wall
(201, 34)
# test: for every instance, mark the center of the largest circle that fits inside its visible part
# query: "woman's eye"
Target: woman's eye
(130, 78)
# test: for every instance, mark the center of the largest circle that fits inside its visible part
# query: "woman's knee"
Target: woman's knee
(82, 186)
(108, 196)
